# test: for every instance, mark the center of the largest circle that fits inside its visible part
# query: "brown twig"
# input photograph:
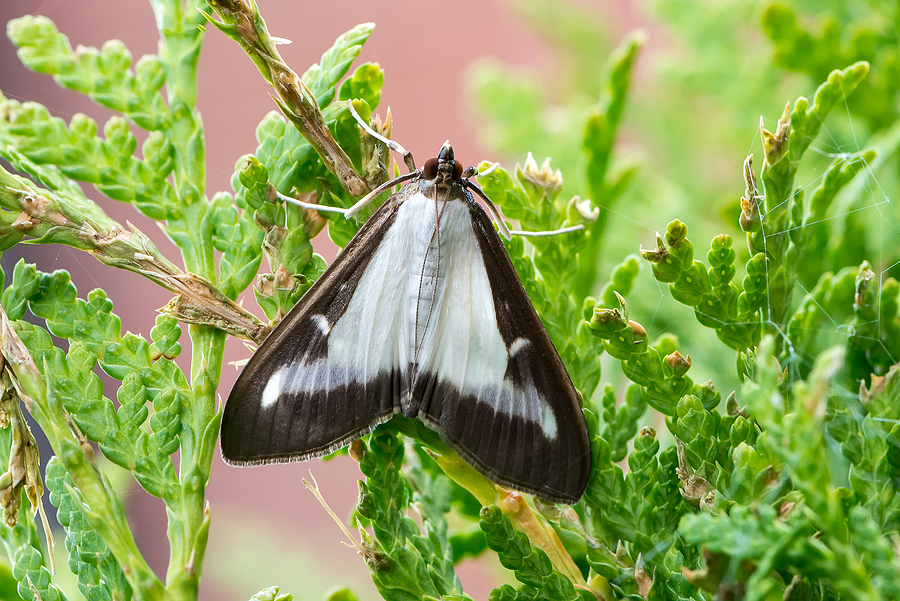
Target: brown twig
(242, 22)
(84, 226)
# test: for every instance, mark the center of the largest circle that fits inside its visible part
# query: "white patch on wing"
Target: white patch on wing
(273, 389)
(526, 403)
(517, 345)
(548, 425)
(322, 323)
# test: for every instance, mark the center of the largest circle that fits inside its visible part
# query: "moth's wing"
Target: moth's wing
(324, 375)
(495, 387)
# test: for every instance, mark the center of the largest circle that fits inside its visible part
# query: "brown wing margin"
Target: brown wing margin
(510, 450)
(299, 426)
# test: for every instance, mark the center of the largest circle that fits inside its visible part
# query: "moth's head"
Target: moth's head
(443, 169)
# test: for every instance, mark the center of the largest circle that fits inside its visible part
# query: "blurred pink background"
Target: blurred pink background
(267, 529)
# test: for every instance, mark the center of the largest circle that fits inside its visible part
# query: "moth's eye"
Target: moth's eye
(457, 170)
(430, 168)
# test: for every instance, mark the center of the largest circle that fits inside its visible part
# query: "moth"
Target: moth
(421, 314)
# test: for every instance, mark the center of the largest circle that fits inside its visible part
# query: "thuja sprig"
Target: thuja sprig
(147, 371)
(604, 183)
(620, 423)
(660, 370)
(779, 231)
(806, 526)
(30, 568)
(719, 303)
(105, 75)
(69, 218)
(869, 443)
(404, 563)
(782, 208)
(814, 233)
(532, 567)
(104, 511)
(108, 163)
(815, 46)
(850, 300)
(99, 574)
(636, 514)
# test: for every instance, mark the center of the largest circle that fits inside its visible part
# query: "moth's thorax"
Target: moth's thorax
(442, 189)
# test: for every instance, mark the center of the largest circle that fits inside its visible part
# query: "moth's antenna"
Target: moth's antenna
(407, 155)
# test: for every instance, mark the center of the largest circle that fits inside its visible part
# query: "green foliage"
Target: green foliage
(105, 75)
(531, 566)
(23, 547)
(99, 574)
(405, 563)
(787, 489)
(815, 48)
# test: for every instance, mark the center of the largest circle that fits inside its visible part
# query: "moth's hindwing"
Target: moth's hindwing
(294, 399)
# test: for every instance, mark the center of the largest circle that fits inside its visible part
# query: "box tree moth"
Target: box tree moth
(421, 314)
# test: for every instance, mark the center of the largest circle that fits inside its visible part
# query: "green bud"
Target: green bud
(150, 71)
(709, 396)
(750, 219)
(677, 365)
(580, 211)
(665, 268)
(605, 323)
(742, 430)
(272, 594)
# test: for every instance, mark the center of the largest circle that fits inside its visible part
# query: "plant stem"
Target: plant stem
(180, 39)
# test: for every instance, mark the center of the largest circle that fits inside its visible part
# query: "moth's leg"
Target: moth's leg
(473, 172)
(309, 205)
(492, 208)
(501, 223)
(565, 230)
(362, 202)
(407, 155)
